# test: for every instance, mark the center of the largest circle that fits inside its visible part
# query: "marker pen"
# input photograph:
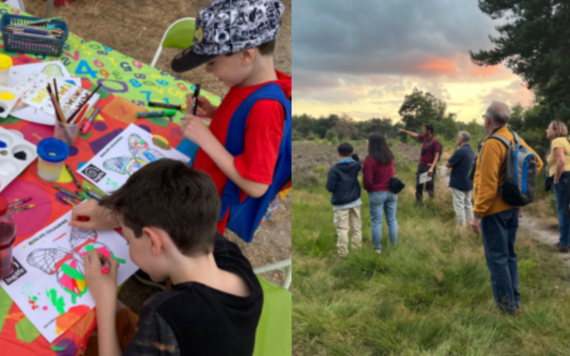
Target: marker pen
(168, 106)
(87, 125)
(169, 112)
(196, 94)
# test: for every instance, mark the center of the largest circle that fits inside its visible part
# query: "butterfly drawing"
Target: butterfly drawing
(68, 265)
(141, 155)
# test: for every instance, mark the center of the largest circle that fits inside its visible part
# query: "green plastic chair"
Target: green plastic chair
(179, 35)
(274, 333)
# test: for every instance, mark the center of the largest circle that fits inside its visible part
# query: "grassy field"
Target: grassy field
(429, 295)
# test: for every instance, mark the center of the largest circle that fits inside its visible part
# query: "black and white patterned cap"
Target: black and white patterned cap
(230, 26)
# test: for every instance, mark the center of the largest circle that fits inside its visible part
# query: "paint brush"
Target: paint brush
(55, 88)
(85, 101)
(73, 176)
(55, 103)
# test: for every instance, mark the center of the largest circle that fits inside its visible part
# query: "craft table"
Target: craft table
(127, 85)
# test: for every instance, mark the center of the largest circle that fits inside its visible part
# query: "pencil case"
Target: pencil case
(29, 43)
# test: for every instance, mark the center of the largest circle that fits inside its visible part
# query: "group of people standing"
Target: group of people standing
(479, 177)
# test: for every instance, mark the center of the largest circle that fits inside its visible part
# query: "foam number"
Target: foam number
(41, 56)
(140, 76)
(75, 56)
(84, 68)
(107, 48)
(182, 86)
(126, 67)
(98, 63)
(162, 82)
(147, 95)
(175, 93)
(103, 53)
(106, 82)
(104, 73)
(113, 61)
(137, 64)
(135, 83)
(117, 75)
(148, 84)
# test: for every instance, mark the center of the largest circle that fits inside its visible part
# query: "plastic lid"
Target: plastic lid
(53, 150)
(5, 62)
(3, 206)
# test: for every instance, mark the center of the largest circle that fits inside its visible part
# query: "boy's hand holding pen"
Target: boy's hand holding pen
(193, 127)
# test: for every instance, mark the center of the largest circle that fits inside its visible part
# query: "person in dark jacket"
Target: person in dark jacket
(461, 186)
(378, 169)
(342, 182)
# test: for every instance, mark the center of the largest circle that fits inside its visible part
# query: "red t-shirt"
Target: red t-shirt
(376, 178)
(430, 147)
(263, 133)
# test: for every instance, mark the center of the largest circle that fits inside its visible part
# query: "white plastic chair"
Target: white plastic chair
(284, 265)
(179, 35)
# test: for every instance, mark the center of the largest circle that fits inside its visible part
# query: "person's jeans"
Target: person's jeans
(383, 202)
(422, 168)
(559, 193)
(462, 206)
(499, 235)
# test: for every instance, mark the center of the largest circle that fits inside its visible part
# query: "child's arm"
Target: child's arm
(195, 130)
(331, 181)
(103, 288)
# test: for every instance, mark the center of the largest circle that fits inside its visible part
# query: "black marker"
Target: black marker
(196, 94)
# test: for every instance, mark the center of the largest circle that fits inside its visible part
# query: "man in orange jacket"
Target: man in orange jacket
(497, 220)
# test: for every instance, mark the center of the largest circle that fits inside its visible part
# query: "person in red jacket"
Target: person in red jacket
(378, 169)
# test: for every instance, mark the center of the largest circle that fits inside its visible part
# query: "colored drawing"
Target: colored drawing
(52, 292)
(111, 167)
(141, 155)
(67, 265)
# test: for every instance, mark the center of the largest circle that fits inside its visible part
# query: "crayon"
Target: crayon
(85, 197)
(73, 176)
(69, 201)
(169, 112)
(168, 106)
(19, 202)
(67, 192)
(22, 208)
(93, 195)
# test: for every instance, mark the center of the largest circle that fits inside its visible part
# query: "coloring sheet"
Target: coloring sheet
(54, 69)
(48, 283)
(125, 155)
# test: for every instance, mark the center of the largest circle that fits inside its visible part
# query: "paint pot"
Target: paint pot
(5, 65)
(52, 155)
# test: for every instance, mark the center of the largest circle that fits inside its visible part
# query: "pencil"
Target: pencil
(73, 176)
(85, 101)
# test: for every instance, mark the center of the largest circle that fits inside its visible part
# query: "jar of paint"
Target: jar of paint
(5, 65)
(7, 238)
(52, 154)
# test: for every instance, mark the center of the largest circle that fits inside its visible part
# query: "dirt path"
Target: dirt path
(526, 223)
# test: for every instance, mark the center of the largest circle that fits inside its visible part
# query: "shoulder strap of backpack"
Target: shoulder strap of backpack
(502, 139)
(236, 134)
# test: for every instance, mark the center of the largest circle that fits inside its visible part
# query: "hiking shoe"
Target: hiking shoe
(145, 279)
(378, 251)
(563, 249)
(431, 194)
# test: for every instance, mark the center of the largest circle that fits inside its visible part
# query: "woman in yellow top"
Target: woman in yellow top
(559, 163)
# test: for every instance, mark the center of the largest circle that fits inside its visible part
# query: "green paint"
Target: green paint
(58, 303)
(158, 121)
(35, 299)
(72, 272)
(5, 305)
(26, 331)
(57, 348)
(116, 258)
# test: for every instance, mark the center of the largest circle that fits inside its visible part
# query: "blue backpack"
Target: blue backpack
(247, 218)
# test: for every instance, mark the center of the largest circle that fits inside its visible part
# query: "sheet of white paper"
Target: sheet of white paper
(124, 155)
(424, 178)
(47, 281)
(54, 69)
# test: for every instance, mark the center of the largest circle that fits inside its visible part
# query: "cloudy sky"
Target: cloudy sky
(362, 57)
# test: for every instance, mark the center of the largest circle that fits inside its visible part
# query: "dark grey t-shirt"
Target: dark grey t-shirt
(194, 319)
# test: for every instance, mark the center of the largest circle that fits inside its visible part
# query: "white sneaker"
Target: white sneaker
(378, 251)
